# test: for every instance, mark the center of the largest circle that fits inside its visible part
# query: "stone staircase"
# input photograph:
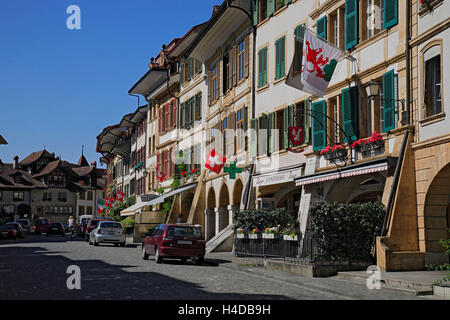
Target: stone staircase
(220, 238)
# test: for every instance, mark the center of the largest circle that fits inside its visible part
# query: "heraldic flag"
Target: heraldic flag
(318, 64)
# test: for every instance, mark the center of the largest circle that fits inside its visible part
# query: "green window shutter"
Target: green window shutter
(277, 59)
(198, 106)
(182, 115)
(181, 70)
(253, 138)
(290, 121)
(319, 125)
(299, 35)
(390, 13)
(271, 139)
(270, 7)
(307, 122)
(264, 138)
(350, 119)
(260, 68)
(321, 27)
(388, 102)
(286, 2)
(285, 128)
(282, 57)
(264, 75)
(255, 12)
(351, 23)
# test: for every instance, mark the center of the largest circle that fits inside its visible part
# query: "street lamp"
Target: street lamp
(372, 89)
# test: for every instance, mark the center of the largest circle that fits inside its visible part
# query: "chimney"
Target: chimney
(94, 164)
(16, 162)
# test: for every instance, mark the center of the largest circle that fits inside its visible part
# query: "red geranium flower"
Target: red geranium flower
(326, 150)
(336, 147)
(358, 142)
(194, 170)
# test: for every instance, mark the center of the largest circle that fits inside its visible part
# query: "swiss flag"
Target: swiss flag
(215, 162)
(120, 195)
(296, 135)
(161, 176)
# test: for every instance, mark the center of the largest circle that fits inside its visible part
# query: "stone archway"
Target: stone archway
(224, 196)
(436, 218)
(237, 194)
(210, 215)
(222, 210)
(358, 188)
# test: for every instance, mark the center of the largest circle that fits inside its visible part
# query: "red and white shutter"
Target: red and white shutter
(174, 113)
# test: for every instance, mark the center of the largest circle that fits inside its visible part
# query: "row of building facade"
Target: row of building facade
(44, 186)
(227, 85)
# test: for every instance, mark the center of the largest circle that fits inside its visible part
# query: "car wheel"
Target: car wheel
(183, 260)
(96, 243)
(144, 254)
(158, 258)
(116, 244)
(123, 244)
(200, 261)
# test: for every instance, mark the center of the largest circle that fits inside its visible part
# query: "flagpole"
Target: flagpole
(347, 55)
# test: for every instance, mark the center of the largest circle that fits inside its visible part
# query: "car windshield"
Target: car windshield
(7, 227)
(94, 222)
(183, 232)
(111, 225)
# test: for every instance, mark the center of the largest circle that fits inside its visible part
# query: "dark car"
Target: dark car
(91, 225)
(56, 228)
(25, 225)
(8, 231)
(20, 231)
(41, 226)
(178, 241)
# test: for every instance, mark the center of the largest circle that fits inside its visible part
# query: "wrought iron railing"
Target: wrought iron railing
(300, 249)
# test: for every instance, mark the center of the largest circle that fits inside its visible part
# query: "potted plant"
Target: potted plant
(241, 233)
(371, 146)
(254, 234)
(270, 233)
(290, 234)
(326, 152)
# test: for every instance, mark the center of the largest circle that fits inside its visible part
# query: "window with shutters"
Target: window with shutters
(372, 21)
(351, 23)
(279, 124)
(319, 125)
(279, 4)
(298, 47)
(214, 83)
(321, 28)
(241, 57)
(262, 67)
(240, 130)
(433, 82)
(226, 72)
(302, 119)
(225, 133)
(333, 29)
(280, 58)
(262, 10)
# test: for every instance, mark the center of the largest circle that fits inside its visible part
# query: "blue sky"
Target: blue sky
(58, 87)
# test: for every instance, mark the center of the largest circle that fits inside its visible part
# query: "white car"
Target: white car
(108, 232)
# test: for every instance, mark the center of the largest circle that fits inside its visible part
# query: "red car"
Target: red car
(41, 226)
(8, 231)
(92, 224)
(178, 241)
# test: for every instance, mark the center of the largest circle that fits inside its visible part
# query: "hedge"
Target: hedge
(346, 231)
(264, 218)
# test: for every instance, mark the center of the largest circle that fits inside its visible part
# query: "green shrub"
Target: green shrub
(346, 231)
(264, 218)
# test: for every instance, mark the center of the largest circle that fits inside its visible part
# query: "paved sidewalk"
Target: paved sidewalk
(413, 282)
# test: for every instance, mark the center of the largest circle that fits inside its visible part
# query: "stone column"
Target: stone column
(209, 224)
(232, 209)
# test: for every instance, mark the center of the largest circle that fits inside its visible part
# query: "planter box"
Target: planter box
(241, 235)
(290, 238)
(254, 236)
(270, 236)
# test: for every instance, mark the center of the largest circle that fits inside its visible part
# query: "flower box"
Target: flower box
(254, 235)
(290, 238)
(270, 235)
(241, 235)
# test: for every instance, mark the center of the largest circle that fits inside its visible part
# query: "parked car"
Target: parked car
(26, 225)
(20, 231)
(92, 224)
(8, 231)
(56, 228)
(174, 241)
(108, 232)
(81, 228)
(41, 226)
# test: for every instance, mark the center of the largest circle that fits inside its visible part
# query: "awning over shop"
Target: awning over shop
(131, 210)
(138, 207)
(161, 198)
(277, 177)
(351, 171)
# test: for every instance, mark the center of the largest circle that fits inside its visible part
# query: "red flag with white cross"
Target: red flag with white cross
(215, 162)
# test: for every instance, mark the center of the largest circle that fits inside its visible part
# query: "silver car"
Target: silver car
(108, 232)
